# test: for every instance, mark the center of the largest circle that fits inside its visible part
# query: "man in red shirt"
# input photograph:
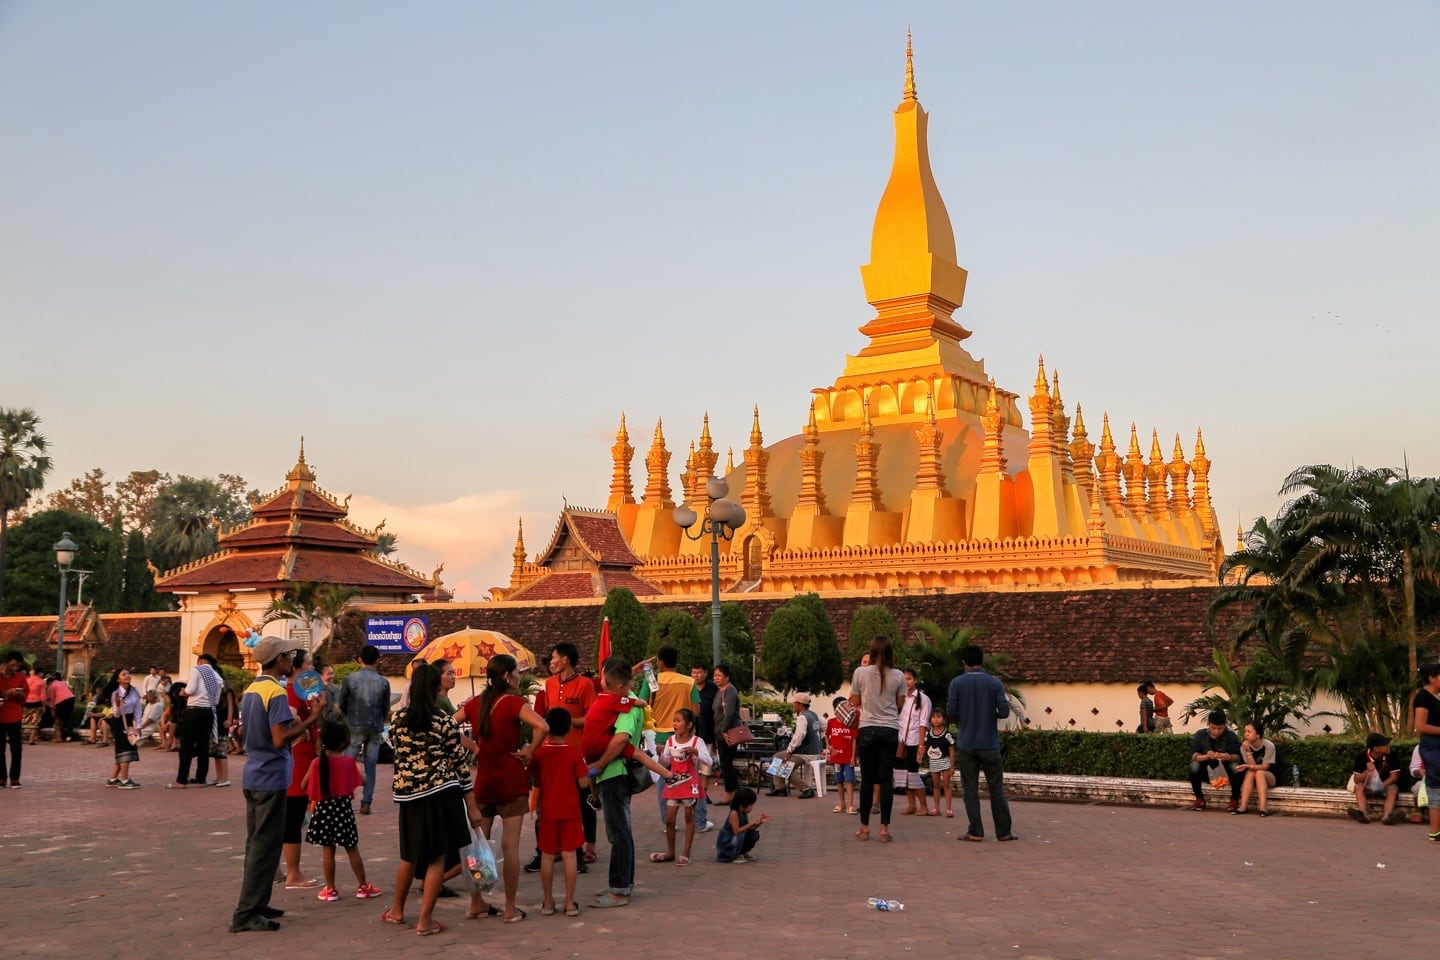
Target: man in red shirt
(1162, 708)
(13, 689)
(565, 687)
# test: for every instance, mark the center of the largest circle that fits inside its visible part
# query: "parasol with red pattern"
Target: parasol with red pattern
(470, 650)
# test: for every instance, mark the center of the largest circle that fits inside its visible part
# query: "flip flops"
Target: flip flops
(386, 918)
(682, 861)
(491, 911)
(661, 858)
(572, 909)
(430, 931)
(519, 915)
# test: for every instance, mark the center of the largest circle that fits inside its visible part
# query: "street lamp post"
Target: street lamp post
(722, 518)
(64, 556)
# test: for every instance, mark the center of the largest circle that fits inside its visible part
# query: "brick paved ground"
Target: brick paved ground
(87, 871)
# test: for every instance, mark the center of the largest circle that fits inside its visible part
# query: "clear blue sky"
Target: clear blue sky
(451, 243)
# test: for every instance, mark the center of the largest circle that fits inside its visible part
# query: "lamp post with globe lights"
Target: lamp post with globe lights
(65, 551)
(722, 518)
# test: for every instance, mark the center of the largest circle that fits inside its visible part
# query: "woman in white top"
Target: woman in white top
(877, 689)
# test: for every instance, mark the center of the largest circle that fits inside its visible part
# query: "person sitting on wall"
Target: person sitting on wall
(1376, 774)
(1215, 746)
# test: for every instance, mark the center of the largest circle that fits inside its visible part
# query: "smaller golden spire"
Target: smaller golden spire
(1134, 443)
(519, 553)
(1239, 536)
(1199, 442)
(705, 430)
(756, 437)
(1156, 454)
(301, 474)
(909, 66)
(729, 460)
(1042, 389)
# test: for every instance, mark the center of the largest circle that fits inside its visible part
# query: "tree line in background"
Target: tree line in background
(798, 648)
(1338, 594)
(122, 527)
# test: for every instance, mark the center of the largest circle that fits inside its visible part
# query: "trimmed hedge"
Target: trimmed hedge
(1323, 761)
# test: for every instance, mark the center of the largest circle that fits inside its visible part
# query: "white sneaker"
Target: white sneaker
(222, 783)
(706, 827)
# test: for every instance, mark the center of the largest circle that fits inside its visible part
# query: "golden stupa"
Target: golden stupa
(915, 471)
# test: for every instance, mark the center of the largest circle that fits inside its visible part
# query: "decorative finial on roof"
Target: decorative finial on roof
(301, 472)
(812, 425)
(705, 430)
(1177, 455)
(1199, 443)
(1042, 388)
(1080, 432)
(756, 437)
(1134, 442)
(909, 66)
(622, 434)
(1156, 454)
(729, 460)
(991, 404)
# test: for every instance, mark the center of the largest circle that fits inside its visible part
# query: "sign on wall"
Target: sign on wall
(397, 634)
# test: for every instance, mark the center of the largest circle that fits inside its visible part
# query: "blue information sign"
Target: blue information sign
(397, 634)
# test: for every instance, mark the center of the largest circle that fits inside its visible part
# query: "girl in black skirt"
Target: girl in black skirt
(331, 783)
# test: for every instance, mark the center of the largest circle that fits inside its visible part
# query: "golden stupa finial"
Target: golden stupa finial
(1156, 454)
(659, 439)
(1199, 442)
(1239, 536)
(1042, 388)
(992, 405)
(909, 66)
(1080, 433)
(1107, 441)
(812, 425)
(1134, 442)
(301, 472)
(1055, 386)
(729, 460)
(623, 434)
(705, 430)
(1177, 455)
(756, 437)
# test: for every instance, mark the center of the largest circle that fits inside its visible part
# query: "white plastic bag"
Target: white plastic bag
(481, 870)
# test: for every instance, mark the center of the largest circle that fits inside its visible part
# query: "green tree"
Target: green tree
(317, 605)
(32, 581)
(23, 468)
(737, 645)
(1257, 692)
(188, 514)
(676, 628)
(139, 593)
(1342, 577)
(629, 624)
(110, 575)
(90, 495)
(871, 620)
(798, 651)
(933, 652)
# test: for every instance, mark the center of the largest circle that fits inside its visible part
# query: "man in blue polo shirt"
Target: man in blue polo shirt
(269, 729)
(976, 704)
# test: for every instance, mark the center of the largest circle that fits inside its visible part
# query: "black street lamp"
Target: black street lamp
(722, 518)
(64, 556)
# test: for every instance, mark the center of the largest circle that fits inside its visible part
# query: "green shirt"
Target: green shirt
(632, 723)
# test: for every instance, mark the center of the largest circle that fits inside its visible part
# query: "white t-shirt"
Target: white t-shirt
(878, 708)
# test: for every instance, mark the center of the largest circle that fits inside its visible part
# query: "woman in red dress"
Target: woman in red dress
(502, 788)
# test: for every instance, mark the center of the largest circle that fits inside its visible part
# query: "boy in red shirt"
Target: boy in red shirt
(13, 691)
(840, 752)
(559, 771)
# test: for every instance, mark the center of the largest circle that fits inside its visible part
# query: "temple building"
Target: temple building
(297, 534)
(915, 469)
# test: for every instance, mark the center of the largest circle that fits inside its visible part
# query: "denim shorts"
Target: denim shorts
(844, 773)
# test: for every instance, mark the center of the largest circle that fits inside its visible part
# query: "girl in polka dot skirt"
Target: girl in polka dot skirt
(331, 782)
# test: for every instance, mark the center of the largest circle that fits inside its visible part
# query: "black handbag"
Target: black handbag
(637, 777)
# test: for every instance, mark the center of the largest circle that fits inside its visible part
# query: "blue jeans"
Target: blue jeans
(971, 763)
(615, 805)
(369, 741)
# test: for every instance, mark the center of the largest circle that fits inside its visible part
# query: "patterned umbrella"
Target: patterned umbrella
(470, 650)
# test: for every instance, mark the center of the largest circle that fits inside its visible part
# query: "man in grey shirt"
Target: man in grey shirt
(365, 700)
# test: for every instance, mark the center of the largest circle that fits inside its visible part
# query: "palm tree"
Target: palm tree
(933, 652)
(187, 514)
(317, 605)
(23, 467)
(1340, 580)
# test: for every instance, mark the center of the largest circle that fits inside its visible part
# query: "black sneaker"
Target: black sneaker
(806, 795)
(255, 925)
(534, 865)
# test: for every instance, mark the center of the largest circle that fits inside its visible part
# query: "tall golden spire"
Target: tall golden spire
(1082, 452)
(929, 476)
(756, 498)
(1204, 509)
(1155, 477)
(519, 553)
(1179, 471)
(909, 93)
(301, 475)
(657, 466)
(622, 489)
(1135, 477)
(867, 457)
(913, 278)
(1109, 464)
(811, 497)
(992, 456)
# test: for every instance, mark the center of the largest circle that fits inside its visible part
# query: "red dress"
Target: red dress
(302, 751)
(499, 777)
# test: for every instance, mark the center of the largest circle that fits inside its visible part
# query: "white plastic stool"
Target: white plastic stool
(817, 769)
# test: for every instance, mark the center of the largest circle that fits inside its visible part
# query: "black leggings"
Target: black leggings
(728, 776)
(875, 749)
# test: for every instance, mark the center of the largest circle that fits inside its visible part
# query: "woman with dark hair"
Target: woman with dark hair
(502, 788)
(878, 689)
(727, 717)
(124, 728)
(429, 766)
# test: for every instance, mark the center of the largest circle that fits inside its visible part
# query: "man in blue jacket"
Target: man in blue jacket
(976, 704)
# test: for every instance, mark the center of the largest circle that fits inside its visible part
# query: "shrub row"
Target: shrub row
(1323, 761)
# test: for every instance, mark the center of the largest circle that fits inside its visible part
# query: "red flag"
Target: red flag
(604, 647)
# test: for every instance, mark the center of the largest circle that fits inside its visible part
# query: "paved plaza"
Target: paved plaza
(89, 871)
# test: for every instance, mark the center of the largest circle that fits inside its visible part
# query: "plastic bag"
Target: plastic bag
(481, 871)
(1218, 776)
(1422, 798)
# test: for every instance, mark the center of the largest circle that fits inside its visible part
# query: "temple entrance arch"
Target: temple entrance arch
(753, 555)
(222, 644)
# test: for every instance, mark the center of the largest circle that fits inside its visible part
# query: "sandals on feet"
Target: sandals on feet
(519, 915)
(547, 911)
(661, 858)
(431, 930)
(386, 918)
(572, 909)
(491, 911)
(682, 861)
(863, 833)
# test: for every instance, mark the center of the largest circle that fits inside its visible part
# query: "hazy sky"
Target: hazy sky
(451, 243)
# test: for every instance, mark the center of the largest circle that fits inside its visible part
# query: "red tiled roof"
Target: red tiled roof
(611, 579)
(354, 570)
(600, 534)
(135, 640)
(559, 586)
(229, 569)
(306, 502)
(311, 531)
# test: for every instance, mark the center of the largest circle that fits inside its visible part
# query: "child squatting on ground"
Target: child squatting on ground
(684, 751)
(740, 834)
(330, 783)
(559, 771)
